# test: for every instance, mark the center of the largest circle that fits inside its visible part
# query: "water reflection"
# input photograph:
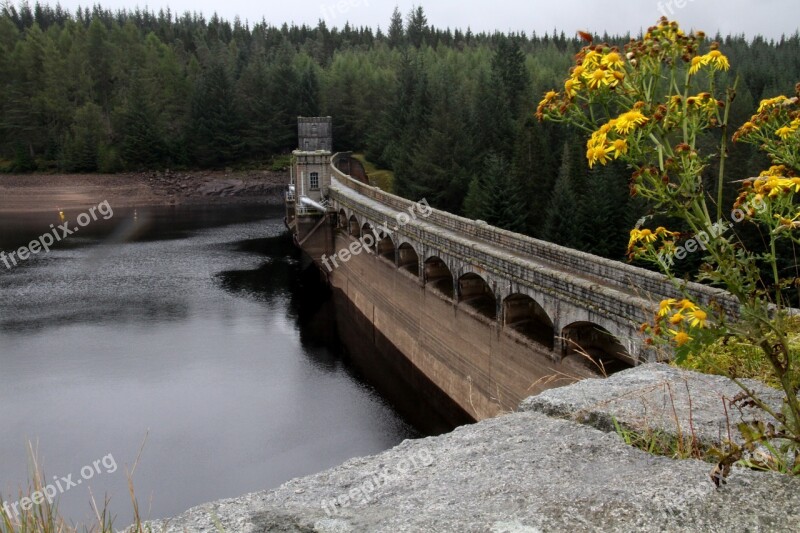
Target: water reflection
(202, 327)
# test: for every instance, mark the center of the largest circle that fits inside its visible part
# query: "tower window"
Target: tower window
(314, 179)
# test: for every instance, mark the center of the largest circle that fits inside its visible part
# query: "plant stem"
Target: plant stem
(774, 263)
(723, 151)
(791, 397)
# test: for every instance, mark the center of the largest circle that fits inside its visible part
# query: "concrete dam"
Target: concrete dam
(490, 317)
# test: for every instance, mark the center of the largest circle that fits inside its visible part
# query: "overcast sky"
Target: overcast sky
(770, 18)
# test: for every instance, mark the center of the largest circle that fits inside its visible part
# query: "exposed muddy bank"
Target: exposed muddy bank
(25, 193)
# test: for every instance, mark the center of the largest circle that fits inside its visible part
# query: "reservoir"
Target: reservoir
(202, 333)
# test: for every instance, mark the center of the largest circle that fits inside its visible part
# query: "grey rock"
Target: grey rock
(658, 397)
(523, 472)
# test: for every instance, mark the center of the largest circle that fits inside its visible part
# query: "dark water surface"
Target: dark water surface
(199, 326)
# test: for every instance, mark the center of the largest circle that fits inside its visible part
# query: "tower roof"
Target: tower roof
(315, 134)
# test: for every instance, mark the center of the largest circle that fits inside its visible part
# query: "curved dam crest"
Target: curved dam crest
(489, 316)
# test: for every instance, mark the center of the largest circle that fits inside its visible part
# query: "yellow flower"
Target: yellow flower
(548, 97)
(777, 171)
(598, 154)
(676, 319)
(681, 337)
(784, 185)
(598, 78)
(628, 121)
(616, 77)
(546, 101)
(703, 101)
(598, 138)
(698, 318)
(772, 186)
(785, 132)
(788, 223)
(697, 62)
(612, 60)
(620, 147)
(571, 87)
(770, 102)
(763, 185)
(747, 127)
(592, 59)
(605, 128)
(717, 60)
(647, 236)
(665, 305)
(662, 231)
(687, 305)
(634, 239)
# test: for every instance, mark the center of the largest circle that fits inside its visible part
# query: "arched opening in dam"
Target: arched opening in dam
(438, 276)
(476, 293)
(386, 248)
(408, 259)
(595, 347)
(355, 229)
(524, 315)
(368, 237)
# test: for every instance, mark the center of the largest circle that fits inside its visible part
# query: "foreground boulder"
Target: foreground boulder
(658, 397)
(523, 472)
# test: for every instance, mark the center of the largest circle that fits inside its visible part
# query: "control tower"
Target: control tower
(306, 196)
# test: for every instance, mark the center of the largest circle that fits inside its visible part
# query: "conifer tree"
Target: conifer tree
(417, 29)
(143, 144)
(560, 226)
(492, 121)
(82, 144)
(215, 125)
(509, 65)
(396, 33)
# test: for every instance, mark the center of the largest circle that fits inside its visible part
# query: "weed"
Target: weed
(738, 358)
(381, 178)
(45, 518)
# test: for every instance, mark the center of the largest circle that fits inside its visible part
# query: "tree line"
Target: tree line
(450, 111)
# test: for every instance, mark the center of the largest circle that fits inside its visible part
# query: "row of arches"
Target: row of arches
(519, 312)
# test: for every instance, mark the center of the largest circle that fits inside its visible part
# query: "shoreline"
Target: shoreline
(35, 193)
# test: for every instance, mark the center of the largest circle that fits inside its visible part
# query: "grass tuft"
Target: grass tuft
(657, 442)
(381, 178)
(736, 358)
(44, 517)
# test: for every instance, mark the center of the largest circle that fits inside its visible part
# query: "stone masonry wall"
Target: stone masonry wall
(604, 270)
